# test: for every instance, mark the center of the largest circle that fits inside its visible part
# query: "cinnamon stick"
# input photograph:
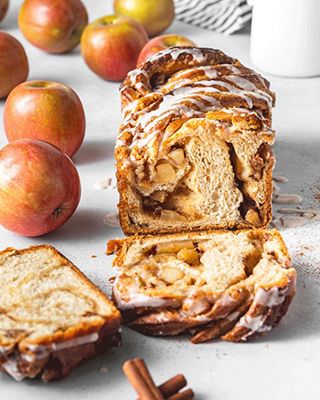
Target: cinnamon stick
(140, 378)
(146, 389)
(172, 386)
(185, 395)
(141, 365)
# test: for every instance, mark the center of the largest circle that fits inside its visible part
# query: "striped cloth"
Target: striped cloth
(225, 16)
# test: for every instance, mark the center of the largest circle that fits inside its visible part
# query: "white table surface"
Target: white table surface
(283, 365)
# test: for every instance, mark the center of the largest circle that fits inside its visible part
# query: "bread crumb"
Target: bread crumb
(103, 370)
(93, 256)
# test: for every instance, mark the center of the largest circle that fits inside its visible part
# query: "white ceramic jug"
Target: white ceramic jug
(285, 37)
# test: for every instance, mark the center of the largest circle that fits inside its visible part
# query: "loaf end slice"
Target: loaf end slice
(52, 317)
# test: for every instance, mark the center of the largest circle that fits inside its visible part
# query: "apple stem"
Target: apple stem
(57, 212)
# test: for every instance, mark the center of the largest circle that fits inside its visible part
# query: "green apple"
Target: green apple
(154, 15)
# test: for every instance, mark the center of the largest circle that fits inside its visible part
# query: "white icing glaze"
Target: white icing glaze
(233, 316)
(174, 104)
(246, 98)
(254, 324)
(191, 305)
(226, 302)
(197, 54)
(241, 82)
(41, 351)
(286, 199)
(289, 222)
(308, 213)
(259, 94)
(209, 71)
(194, 306)
(133, 76)
(184, 101)
(270, 298)
(32, 357)
(111, 219)
(91, 338)
(276, 189)
(36, 347)
(11, 367)
(245, 94)
(188, 99)
(108, 183)
(139, 299)
(120, 143)
(5, 349)
(280, 179)
(231, 68)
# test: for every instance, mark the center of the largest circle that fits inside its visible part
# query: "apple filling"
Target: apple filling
(206, 176)
(191, 274)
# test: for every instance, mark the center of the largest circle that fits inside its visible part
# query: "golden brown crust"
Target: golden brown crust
(55, 363)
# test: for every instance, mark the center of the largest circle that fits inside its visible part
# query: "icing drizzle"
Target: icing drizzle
(188, 93)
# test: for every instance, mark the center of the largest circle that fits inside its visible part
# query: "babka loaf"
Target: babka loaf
(194, 149)
(52, 317)
(234, 285)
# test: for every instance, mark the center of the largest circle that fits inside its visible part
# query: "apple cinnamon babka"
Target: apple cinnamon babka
(194, 149)
(234, 285)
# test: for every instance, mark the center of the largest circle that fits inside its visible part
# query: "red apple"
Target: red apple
(53, 26)
(47, 111)
(4, 5)
(154, 15)
(161, 43)
(39, 187)
(14, 67)
(110, 46)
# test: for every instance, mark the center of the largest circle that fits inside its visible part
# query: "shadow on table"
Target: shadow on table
(94, 151)
(11, 19)
(303, 318)
(85, 223)
(299, 161)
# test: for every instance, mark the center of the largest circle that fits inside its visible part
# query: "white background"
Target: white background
(283, 365)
